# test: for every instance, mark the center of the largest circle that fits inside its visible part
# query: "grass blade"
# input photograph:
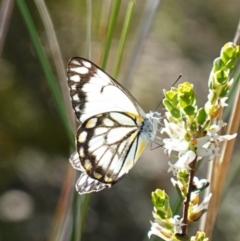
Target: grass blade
(46, 67)
(123, 37)
(145, 25)
(111, 27)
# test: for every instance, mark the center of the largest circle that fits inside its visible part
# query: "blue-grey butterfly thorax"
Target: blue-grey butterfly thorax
(150, 125)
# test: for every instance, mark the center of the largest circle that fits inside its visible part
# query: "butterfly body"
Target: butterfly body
(114, 129)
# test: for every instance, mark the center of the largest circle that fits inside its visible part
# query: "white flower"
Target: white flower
(199, 184)
(161, 232)
(175, 145)
(213, 133)
(226, 137)
(211, 151)
(209, 144)
(174, 182)
(205, 146)
(177, 223)
(173, 130)
(201, 141)
(172, 169)
(183, 162)
(223, 102)
(218, 126)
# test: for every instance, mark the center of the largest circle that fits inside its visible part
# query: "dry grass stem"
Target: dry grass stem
(222, 165)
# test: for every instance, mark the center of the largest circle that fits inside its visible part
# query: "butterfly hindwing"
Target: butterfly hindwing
(103, 144)
(93, 91)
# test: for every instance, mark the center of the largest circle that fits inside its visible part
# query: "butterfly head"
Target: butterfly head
(154, 116)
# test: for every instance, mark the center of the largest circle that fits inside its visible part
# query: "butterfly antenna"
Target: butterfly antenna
(179, 77)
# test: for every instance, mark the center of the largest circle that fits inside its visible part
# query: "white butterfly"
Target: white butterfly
(114, 129)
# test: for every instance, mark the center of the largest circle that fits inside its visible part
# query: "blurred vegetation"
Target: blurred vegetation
(185, 37)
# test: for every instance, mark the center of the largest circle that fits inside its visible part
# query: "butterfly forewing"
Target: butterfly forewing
(93, 91)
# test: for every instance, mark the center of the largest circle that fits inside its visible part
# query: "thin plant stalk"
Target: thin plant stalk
(89, 29)
(236, 39)
(150, 11)
(111, 27)
(219, 168)
(102, 26)
(81, 204)
(62, 216)
(220, 172)
(5, 15)
(123, 38)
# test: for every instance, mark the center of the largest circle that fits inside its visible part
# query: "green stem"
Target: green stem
(123, 38)
(111, 27)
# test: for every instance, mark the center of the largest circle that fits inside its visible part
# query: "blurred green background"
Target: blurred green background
(184, 38)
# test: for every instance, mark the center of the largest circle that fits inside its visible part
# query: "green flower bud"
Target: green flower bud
(186, 94)
(229, 51)
(200, 236)
(160, 201)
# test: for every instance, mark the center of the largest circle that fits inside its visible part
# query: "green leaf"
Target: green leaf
(193, 126)
(207, 125)
(201, 116)
(175, 113)
(218, 64)
(228, 51)
(189, 110)
(161, 214)
(171, 96)
(167, 104)
(111, 28)
(231, 63)
(123, 38)
(179, 193)
(221, 76)
(224, 91)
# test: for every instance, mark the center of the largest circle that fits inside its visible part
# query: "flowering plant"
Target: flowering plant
(193, 133)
